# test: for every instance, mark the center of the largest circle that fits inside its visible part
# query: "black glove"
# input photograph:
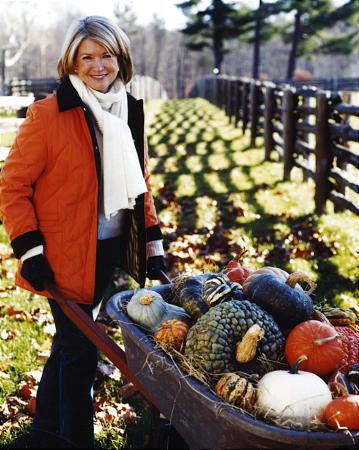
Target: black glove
(155, 264)
(36, 270)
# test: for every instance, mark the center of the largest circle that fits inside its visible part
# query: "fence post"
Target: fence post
(268, 121)
(228, 99)
(238, 94)
(346, 98)
(289, 130)
(245, 118)
(322, 152)
(254, 98)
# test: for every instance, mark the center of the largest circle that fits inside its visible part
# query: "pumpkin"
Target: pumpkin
(343, 412)
(295, 394)
(237, 273)
(288, 304)
(237, 390)
(171, 334)
(211, 341)
(319, 342)
(148, 308)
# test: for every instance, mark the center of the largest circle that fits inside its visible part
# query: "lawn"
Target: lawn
(216, 198)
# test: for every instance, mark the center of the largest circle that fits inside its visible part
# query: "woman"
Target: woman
(75, 200)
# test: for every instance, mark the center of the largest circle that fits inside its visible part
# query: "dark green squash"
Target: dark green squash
(211, 342)
(288, 304)
(190, 296)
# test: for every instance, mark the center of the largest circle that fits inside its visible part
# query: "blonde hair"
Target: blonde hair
(104, 32)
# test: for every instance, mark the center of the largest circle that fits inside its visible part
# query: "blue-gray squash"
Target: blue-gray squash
(288, 303)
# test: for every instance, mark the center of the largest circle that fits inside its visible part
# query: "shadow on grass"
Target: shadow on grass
(270, 233)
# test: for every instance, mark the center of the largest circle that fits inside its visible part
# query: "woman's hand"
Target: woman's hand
(36, 270)
(155, 265)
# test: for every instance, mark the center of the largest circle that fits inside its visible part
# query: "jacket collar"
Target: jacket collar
(67, 96)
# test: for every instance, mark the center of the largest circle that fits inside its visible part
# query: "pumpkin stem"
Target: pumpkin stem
(294, 277)
(341, 384)
(322, 341)
(294, 369)
(247, 347)
(147, 299)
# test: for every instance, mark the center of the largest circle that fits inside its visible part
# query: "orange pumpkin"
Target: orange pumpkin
(172, 334)
(343, 412)
(320, 343)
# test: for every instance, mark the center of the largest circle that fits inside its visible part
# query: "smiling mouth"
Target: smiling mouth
(99, 77)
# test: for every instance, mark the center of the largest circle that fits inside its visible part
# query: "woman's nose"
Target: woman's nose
(99, 63)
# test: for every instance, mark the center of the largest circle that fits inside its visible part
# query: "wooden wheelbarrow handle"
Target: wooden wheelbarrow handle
(97, 336)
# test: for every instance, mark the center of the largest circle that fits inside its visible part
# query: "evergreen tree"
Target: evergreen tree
(209, 27)
(310, 17)
(344, 43)
(256, 28)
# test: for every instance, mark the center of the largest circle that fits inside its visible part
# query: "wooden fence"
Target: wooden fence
(307, 127)
(140, 86)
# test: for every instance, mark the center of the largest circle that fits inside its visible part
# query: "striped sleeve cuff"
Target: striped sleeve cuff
(155, 248)
(39, 250)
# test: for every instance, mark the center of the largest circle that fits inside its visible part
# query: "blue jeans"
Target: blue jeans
(64, 402)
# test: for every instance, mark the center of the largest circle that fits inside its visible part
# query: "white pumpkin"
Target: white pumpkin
(297, 395)
(148, 308)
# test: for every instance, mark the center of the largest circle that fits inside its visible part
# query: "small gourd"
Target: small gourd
(218, 288)
(288, 304)
(238, 273)
(237, 390)
(148, 308)
(294, 394)
(172, 334)
(246, 349)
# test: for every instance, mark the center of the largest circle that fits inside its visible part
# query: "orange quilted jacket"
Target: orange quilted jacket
(49, 193)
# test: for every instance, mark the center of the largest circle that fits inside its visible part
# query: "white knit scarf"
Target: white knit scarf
(123, 178)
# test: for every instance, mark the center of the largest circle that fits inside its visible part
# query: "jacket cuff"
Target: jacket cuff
(25, 242)
(153, 233)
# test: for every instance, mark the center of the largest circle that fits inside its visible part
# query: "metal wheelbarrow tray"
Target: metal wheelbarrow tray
(196, 413)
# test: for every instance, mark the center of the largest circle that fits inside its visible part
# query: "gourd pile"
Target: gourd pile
(262, 343)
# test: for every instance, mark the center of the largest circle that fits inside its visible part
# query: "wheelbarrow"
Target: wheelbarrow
(196, 413)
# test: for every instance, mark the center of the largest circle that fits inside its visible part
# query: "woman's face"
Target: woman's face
(95, 66)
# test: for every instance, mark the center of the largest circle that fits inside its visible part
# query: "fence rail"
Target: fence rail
(307, 127)
(140, 86)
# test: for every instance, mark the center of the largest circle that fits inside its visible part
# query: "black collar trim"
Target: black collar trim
(67, 96)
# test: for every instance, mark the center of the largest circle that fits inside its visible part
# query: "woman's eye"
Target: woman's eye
(86, 57)
(107, 55)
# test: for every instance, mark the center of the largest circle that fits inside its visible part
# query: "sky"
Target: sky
(144, 9)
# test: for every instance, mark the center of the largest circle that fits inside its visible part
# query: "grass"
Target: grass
(7, 138)
(215, 196)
